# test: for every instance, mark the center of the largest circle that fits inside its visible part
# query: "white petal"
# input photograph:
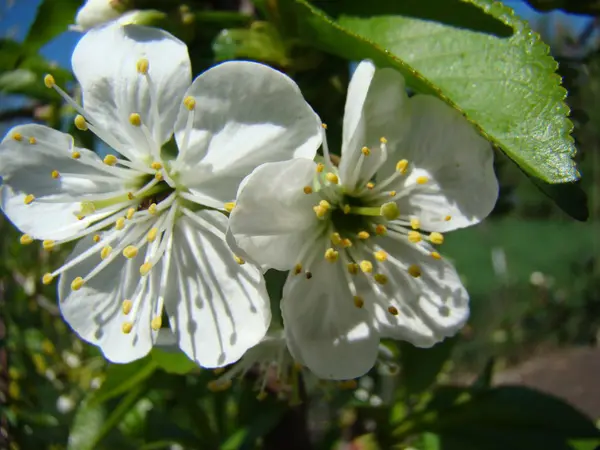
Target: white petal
(105, 64)
(246, 114)
(431, 307)
(325, 331)
(217, 308)
(95, 12)
(376, 107)
(443, 146)
(273, 219)
(27, 169)
(95, 311)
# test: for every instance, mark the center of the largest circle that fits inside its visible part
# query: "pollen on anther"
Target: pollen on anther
(325, 204)
(32, 140)
(383, 140)
(130, 213)
(130, 195)
(332, 178)
(151, 236)
(366, 266)
(380, 230)
(120, 223)
(422, 180)
(189, 103)
(48, 244)
(127, 306)
(346, 243)
(229, 206)
(320, 167)
(436, 255)
(17, 136)
(358, 301)
(26, 239)
(142, 66)
(127, 327)
(393, 310)
(331, 255)
(380, 256)
(96, 238)
(415, 223)
(447, 218)
(365, 151)
(75, 155)
(363, 235)
(380, 278)
(298, 269)
(130, 251)
(370, 185)
(110, 160)
(152, 209)
(402, 166)
(159, 176)
(353, 268)
(156, 165)
(156, 323)
(436, 238)
(29, 199)
(80, 122)
(414, 237)
(55, 174)
(324, 126)
(389, 210)
(47, 278)
(307, 190)
(105, 252)
(335, 238)
(135, 119)
(49, 81)
(320, 211)
(145, 268)
(414, 270)
(77, 283)
(239, 260)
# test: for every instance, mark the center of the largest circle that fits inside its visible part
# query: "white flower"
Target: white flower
(152, 222)
(97, 12)
(359, 238)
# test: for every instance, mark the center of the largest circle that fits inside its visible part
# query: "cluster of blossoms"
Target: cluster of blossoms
(214, 180)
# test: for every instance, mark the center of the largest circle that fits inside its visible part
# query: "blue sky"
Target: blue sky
(15, 22)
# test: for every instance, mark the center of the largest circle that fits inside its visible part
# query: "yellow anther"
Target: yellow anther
(80, 216)
(366, 266)
(156, 323)
(49, 81)
(26, 239)
(127, 327)
(380, 230)
(414, 237)
(331, 255)
(358, 301)
(189, 103)
(436, 255)
(383, 140)
(393, 310)
(320, 211)
(96, 238)
(308, 190)
(55, 174)
(80, 122)
(156, 165)
(229, 206)
(422, 180)
(414, 270)
(324, 125)
(298, 269)
(77, 283)
(389, 210)
(127, 305)
(17, 136)
(105, 252)
(436, 238)
(380, 256)
(447, 218)
(145, 268)
(32, 140)
(352, 268)
(346, 243)
(402, 166)
(120, 223)
(29, 199)
(415, 223)
(75, 154)
(130, 213)
(336, 239)
(152, 208)
(130, 251)
(130, 195)
(142, 66)
(380, 278)
(346, 209)
(159, 176)
(363, 235)
(47, 278)
(110, 160)
(325, 204)
(365, 151)
(48, 244)
(392, 193)
(239, 260)
(332, 178)
(320, 167)
(151, 236)
(135, 119)
(370, 185)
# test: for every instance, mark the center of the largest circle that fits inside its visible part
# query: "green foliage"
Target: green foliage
(52, 18)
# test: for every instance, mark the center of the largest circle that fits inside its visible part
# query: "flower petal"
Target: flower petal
(246, 114)
(376, 107)
(273, 218)
(431, 307)
(217, 308)
(95, 311)
(27, 169)
(325, 331)
(459, 163)
(105, 64)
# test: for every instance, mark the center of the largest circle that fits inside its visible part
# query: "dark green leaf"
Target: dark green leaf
(568, 196)
(52, 18)
(87, 423)
(172, 362)
(120, 378)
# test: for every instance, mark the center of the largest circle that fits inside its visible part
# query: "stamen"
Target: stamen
(370, 185)
(29, 199)
(49, 81)
(393, 310)
(17, 137)
(436, 255)
(26, 239)
(308, 275)
(189, 103)
(48, 244)
(366, 266)
(145, 268)
(447, 218)
(308, 190)
(156, 323)
(365, 151)
(363, 235)
(142, 66)
(298, 269)
(383, 140)
(239, 260)
(75, 154)
(127, 305)
(80, 123)
(130, 213)
(380, 278)
(331, 255)
(55, 174)
(96, 238)
(130, 252)
(152, 209)
(229, 206)
(320, 167)
(127, 327)
(135, 119)
(380, 256)
(346, 243)
(352, 268)
(390, 210)
(414, 237)
(77, 283)
(151, 236)
(320, 211)
(47, 278)
(120, 223)
(358, 301)
(436, 238)
(105, 253)
(156, 165)
(392, 193)
(402, 166)
(415, 223)
(422, 180)
(414, 270)
(332, 178)
(380, 230)
(336, 239)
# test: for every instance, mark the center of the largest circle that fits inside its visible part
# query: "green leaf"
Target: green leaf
(568, 196)
(121, 378)
(585, 444)
(507, 88)
(87, 423)
(497, 419)
(172, 362)
(420, 366)
(52, 18)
